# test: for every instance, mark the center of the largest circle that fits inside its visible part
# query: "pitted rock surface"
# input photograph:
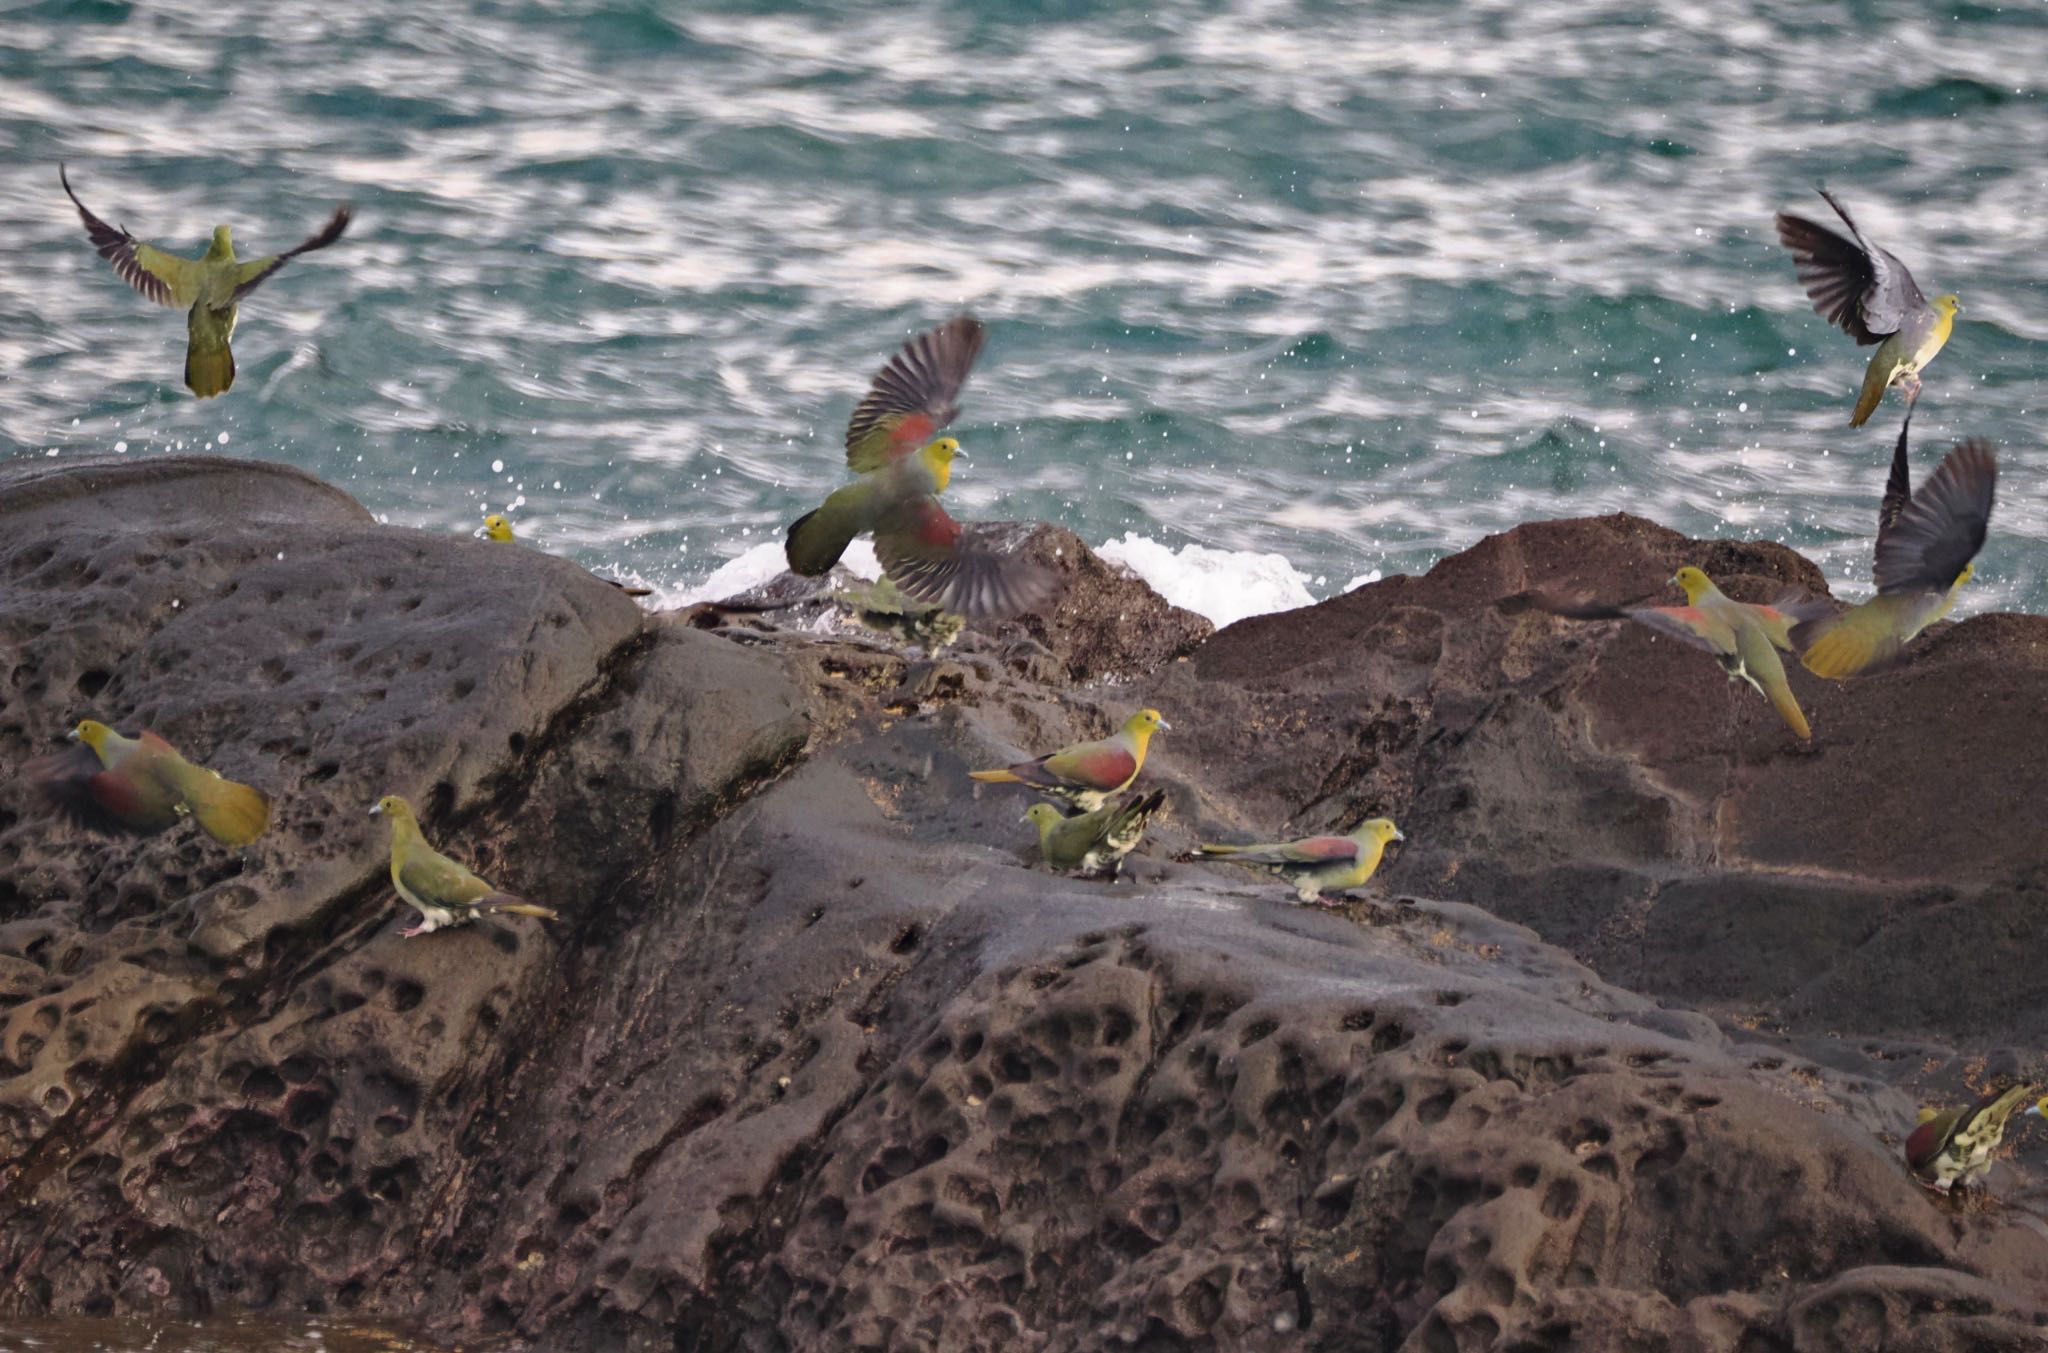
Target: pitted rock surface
(816, 1059)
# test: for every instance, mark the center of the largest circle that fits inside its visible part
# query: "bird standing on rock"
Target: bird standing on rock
(113, 784)
(209, 288)
(1926, 545)
(443, 892)
(1745, 637)
(903, 471)
(1952, 1147)
(1318, 864)
(1869, 294)
(1086, 773)
(1093, 843)
(497, 528)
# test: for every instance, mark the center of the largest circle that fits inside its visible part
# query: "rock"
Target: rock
(814, 1058)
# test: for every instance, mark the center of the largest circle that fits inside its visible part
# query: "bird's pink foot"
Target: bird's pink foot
(416, 928)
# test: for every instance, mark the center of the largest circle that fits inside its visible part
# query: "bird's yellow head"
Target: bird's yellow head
(395, 808)
(92, 733)
(938, 458)
(1947, 306)
(223, 243)
(496, 528)
(1380, 830)
(1695, 583)
(1144, 724)
(1042, 816)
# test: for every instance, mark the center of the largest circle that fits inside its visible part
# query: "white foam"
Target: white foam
(757, 566)
(1222, 585)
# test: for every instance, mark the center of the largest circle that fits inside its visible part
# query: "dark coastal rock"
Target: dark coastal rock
(813, 1058)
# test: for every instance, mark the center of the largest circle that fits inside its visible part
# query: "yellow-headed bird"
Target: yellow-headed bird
(497, 528)
(1870, 295)
(1093, 843)
(1926, 545)
(1088, 772)
(209, 288)
(141, 786)
(933, 558)
(1318, 864)
(1745, 637)
(443, 892)
(1950, 1148)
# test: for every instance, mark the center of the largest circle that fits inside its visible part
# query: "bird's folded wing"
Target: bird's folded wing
(436, 879)
(163, 278)
(1099, 765)
(1943, 527)
(914, 395)
(1309, 851)
(934, 559)
(251, 275)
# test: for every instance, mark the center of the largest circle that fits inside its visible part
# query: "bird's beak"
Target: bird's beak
(376, 808)
(479, 533)
(72, 736)
(2035, 1109)
(1398, 836)
(1025, 818)
(1165, 725)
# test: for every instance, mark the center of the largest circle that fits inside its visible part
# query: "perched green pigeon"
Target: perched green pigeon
(1318, 864)
(497, 528)
(1086, 773)
(1954, 1146)
(1870, 295)
(1093, 843)
(933, 558)
(141, 785)
(208, 288)
(1925, 547)
(443, 892)
(1745, 637)
(882, 607)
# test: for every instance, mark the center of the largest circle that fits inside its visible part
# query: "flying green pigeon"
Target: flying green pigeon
(1086, 773)
(1318, 864)
(209, 288)
(1745, 637)
(443, 892)
(1954, 1146)
(1870, 295)
(1093, 843)
(1926, 545)
(497, 528)
(141, 785)
(933, 558)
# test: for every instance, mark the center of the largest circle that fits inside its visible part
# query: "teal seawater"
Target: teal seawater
(1354, 283)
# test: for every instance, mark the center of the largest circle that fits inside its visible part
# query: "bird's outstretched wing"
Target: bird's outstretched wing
(1940, 531)
(251, 275)
(1898, 485)
(914, 395)
(1852, 283)
(163, 278)
(936, 560)
(1684, 623)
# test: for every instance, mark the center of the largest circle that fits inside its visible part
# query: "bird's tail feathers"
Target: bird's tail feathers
(995, 777)
(233, 814)
(816, 540)
(517, 906)
(1787, 705)
(1875, 381)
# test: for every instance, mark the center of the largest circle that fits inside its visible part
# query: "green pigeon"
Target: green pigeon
(1869, 294)
(1744, 636)
(497, 528)
(142, 785)
(1952, 1147)
(882, 607)
(1318, 864)
(889, 444)
(1926, 547)
(1093, 843)
(209, 288)
(1086, 773)
(443, 892)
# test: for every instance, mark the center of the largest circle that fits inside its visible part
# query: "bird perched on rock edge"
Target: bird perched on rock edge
(1870, 296)
(932, 557)
(1086, 773)
(1926, 545)
(1317, 864)
(1745, 637)
(1951, 1147)
(497, 528)
(140, 786)
(210, 288)
(443, 892)
(1093, 843)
